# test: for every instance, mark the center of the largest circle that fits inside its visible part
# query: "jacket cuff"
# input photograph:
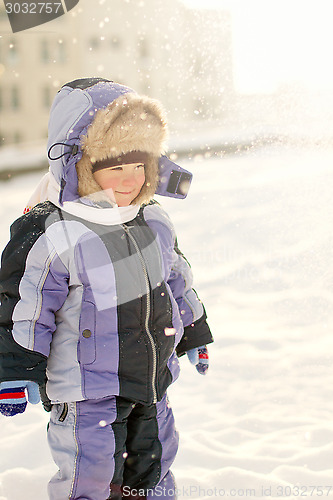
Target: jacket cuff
(47, 405)
(19, 363)
(195, 335)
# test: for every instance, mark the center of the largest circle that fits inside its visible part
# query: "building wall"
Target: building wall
(159, 48)
(33, 64)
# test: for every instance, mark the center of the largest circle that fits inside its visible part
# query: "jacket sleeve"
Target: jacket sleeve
(33, 285)
(192, 311)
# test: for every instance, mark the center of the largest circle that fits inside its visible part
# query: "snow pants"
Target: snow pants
(112, 448)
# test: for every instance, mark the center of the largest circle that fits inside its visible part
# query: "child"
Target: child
(96, 297)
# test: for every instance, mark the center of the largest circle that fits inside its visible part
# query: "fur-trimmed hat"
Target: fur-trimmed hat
(131, 123)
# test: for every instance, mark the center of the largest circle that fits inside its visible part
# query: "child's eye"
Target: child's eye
(140, 166)
(115, 168)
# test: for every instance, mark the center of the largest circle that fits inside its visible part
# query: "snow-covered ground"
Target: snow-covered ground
(258, 231)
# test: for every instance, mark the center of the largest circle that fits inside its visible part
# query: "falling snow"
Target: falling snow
(256, 228)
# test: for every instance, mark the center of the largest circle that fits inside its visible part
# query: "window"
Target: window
(17, 137)
(15, 101)
(47, 97)
(143, 47)
(13, 54)
(45, 51)
(61, 52)
(115, 42)
(94, 43)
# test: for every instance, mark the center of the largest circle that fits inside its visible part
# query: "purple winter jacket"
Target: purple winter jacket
(89, 307)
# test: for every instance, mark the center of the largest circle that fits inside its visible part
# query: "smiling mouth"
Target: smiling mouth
(124, 192)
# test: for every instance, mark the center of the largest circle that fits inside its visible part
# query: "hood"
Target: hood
(75, 107)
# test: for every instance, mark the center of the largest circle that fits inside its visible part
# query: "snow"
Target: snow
(23, 157)
(257, 229)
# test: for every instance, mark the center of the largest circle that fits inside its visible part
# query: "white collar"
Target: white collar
(49, 189)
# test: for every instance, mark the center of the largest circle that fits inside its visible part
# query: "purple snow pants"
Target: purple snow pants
(112, 442)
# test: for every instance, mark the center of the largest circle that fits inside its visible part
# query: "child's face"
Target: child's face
(123, 183)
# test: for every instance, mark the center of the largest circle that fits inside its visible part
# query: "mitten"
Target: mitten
(199, 357)
(13, 396)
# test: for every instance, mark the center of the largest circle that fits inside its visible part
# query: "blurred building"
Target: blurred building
(162, 49)
(33, 64)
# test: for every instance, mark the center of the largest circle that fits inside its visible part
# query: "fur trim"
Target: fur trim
(130, 123)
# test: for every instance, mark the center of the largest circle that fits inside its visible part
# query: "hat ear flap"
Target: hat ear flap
(86, 181)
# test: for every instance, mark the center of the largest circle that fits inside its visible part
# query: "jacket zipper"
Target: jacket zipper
(64, 413)
(149, 335)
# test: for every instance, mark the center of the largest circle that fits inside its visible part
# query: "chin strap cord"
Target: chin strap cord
(73, 151)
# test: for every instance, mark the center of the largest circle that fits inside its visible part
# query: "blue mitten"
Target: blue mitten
(199, 357)
(13, 396)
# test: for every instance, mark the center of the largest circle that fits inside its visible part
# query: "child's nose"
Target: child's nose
(129, 180)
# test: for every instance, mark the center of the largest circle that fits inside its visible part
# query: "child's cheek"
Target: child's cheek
(108, 183)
